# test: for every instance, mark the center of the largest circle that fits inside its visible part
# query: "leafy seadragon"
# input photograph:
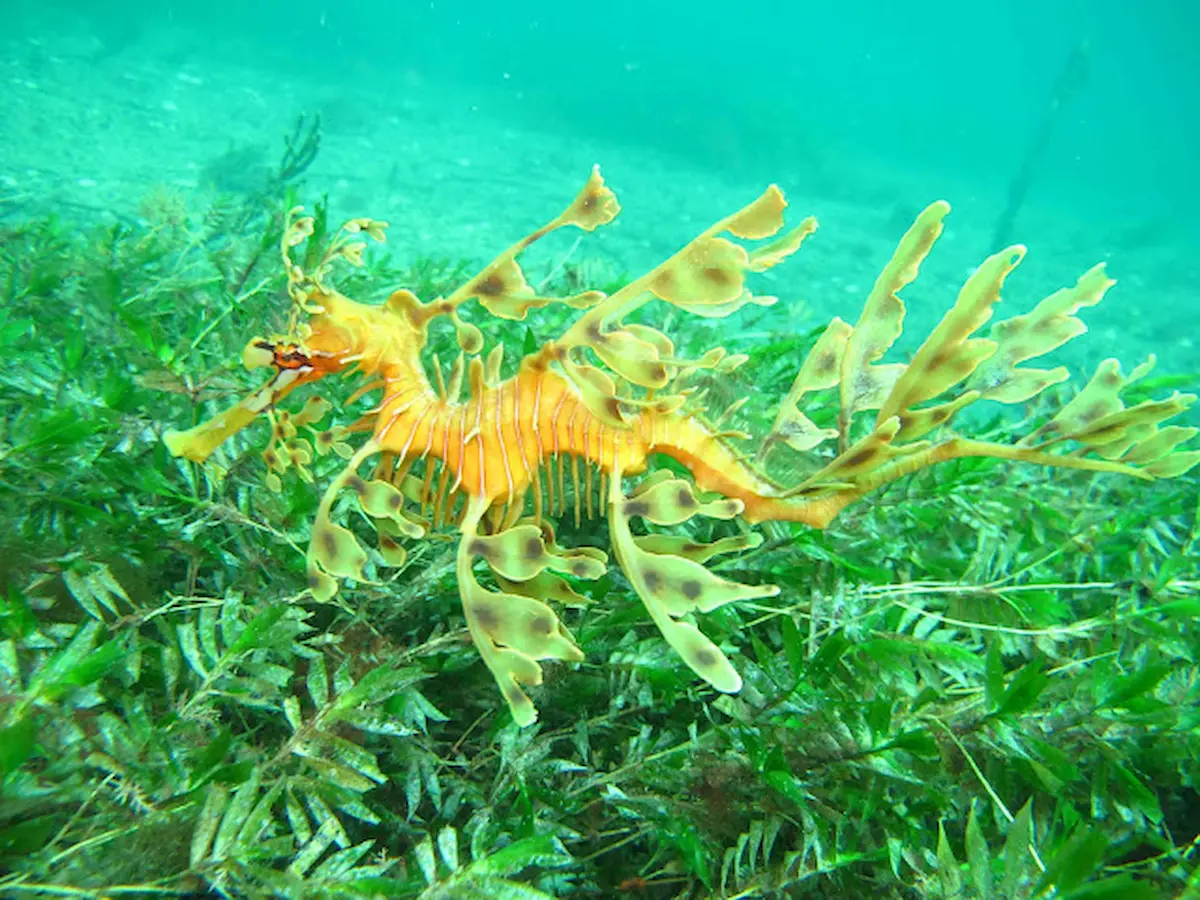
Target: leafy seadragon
(608, 393)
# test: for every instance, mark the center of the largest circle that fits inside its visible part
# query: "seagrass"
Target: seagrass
(496, 459)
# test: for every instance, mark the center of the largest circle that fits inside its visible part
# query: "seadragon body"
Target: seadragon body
(496, 457)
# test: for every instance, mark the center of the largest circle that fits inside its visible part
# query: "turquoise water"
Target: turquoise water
(473, 121)
(990, 661)
(936, 87)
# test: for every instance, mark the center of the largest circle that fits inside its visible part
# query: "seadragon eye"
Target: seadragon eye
(260, 353)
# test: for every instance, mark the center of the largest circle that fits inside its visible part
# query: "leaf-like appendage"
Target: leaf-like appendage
(1101, 397)
(949, 355)
(822, 369)
(953, 369)
(855, 465)
(672, 585)
(545, 586)
(390, 550)
(1155, 447)
(1098, 419)
(708, 271)
(501, 286)
(758, 219)
(337, 551)
(381, 500)
(798, 431)
(504, 292)
(520, 553)
(469, 337)
(519, 623)
(1174, 465)
(664, 345)
(763, 258)
(1048, 326)
(333, 551)
(597, 391)
(673, 500)
(593, 206)
(636, 360)
(697, 551)
(882, 317)
(314, 411)
(514, 630)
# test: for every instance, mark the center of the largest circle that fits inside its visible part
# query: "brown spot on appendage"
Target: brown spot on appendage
(579, 569)
(313, 581)
(478, 548)
(395, 501)
(515, 697)
(612, 406)
(691, 588)
(636, 508)
(653, 579)
(491, 286)
(717, 275)
(541, 626)
(706, 659)
(356, 484)
(588, 201)
(328, 542)
(387, 543)
(658, 372)
(485, 616)
(1116, 428)
(860, 457)
(595, 335)
(533, 549)
(825, 362)
(863, 385)
(270, 459)
(692, 547)
(685, 499)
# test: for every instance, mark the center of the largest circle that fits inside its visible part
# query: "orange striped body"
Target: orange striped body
(493, 445)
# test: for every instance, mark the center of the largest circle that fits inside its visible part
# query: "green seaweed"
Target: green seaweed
(981, 683)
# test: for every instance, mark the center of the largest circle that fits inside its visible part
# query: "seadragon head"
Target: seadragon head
(327, 334)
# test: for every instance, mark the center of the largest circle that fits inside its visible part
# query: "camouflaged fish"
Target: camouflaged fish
(494, 458)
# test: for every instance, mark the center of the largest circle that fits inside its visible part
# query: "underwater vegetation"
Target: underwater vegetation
(479, 463)
(888, 659)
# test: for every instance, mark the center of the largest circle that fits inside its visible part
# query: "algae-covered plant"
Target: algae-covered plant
(974, 678)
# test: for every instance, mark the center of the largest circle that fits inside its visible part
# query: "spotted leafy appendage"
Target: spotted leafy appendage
(668, 576)
(334, 552)
(515, 628)
(954, 368)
